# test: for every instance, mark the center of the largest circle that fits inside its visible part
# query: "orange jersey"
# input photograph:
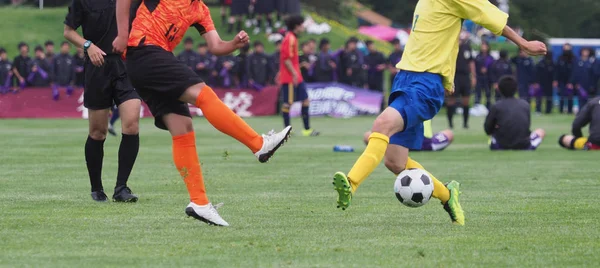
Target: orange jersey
(163, 23)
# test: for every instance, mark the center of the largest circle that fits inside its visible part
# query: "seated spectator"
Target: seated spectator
(306, 62)
(21, 67)
(241, 74)
(376, 64)
(275, 60)
(79, 59)
(351, 65)
(63, 70)
(258, 67)
(5, 72)
(188, 56)
(49, 46)
(40, 69)
(225, 71)
(431, 142)
(205, 63)
(589, 114)
(325, 66)
(509, 121)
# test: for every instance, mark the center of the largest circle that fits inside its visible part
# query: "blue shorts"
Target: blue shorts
(418, 97)
(291, 94)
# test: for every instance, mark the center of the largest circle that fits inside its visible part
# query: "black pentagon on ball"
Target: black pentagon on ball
(425, 179)
(405, 181)
(417, 197)
(399, 198)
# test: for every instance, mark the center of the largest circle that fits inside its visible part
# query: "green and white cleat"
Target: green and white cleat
(344, 189)
(457, 215)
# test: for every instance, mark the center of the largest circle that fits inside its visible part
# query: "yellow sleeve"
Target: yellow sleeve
(483, 13)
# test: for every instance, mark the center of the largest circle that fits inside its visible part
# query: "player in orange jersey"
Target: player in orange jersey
(167, 86)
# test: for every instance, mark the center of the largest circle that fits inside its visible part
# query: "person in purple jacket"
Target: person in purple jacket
(325, 66)
(483, 68)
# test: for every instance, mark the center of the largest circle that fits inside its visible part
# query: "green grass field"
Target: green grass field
(524, 209)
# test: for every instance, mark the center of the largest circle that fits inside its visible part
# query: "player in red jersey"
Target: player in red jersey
(167, 86)
(290, 77)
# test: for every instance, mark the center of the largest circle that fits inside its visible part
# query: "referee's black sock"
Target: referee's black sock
(269, 22)
(128, 151)
(451, 109)
(230, 27)
(94, 153)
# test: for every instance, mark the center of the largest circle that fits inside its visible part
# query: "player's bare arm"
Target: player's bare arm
(533, 48)
(122, 14)
(218, 47)
(95, 54)
(290, 67)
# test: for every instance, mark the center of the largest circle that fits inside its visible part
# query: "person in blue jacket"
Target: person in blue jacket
(562, 76)
(545, 70)
(525, 74)
(582, 78)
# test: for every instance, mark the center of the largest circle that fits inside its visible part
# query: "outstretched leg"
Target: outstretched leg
(226, 121)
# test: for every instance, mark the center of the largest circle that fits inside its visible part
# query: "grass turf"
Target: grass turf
(524, 209)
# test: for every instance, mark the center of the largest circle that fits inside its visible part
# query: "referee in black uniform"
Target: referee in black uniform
(464, 80)
(106, 82)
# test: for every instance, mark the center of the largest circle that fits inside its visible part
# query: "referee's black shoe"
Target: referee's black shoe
(99, 196)
(124, 194)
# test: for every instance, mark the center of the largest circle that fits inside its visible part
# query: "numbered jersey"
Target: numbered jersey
(163, 23)
(433, 42)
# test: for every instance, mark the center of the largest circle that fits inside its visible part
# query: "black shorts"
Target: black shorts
(239, 7)
(264, 6)
(107, 85)
(291, 7)
(160, 79)
(462, 85)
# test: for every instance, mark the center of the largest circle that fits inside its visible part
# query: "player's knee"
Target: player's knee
(130, 127)
(394, 165)
(306, 103)
(366, 137)
(540, 132)
(285, 107)
(449, 135)
(98, 133)
(387, 124)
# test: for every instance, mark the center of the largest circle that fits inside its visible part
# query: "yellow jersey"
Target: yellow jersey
(433, 42)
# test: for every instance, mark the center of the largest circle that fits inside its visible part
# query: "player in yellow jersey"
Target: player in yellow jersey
(417, 94)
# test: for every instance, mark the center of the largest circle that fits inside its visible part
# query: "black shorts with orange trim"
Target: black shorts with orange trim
(160, 79)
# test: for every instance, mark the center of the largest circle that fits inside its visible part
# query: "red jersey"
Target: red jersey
(289, 51)
(163, 23)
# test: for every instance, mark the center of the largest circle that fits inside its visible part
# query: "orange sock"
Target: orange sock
(188, 165)
(226, 121)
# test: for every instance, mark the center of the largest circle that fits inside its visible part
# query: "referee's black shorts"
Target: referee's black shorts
(160, 80)
(239, 7)
(107, 85)
(462, 85)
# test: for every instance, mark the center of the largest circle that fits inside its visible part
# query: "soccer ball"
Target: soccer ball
(413, 187)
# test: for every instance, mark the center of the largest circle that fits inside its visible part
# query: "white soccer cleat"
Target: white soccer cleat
(207, 213)
(271, 142)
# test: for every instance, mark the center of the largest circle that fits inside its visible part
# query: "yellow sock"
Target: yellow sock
(440, 191)
(580, 143)
(369, 160)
